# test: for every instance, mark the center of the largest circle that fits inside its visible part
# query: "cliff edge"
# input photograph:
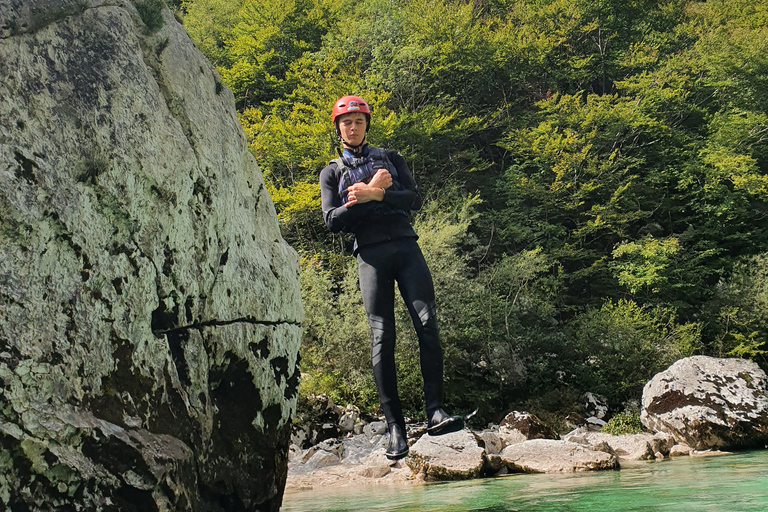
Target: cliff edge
(149, 308)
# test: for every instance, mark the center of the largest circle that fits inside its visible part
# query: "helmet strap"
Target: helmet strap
(356, 148)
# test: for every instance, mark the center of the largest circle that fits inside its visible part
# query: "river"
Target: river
(728, 483)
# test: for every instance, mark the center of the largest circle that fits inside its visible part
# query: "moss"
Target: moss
(161, 47)
(93, 166)
(14, 231)
(747, 378)
(45, 17)
(114, 210)
(35, 451)
(151, 13)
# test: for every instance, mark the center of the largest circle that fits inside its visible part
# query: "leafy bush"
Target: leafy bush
(335, 354)
(151, 13)
(622, 345)
(624, 423)
(739, 310)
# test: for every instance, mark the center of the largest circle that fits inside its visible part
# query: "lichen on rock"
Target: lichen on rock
(708, 402)
(149, 307)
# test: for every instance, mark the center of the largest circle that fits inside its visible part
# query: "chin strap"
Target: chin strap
(355, 149)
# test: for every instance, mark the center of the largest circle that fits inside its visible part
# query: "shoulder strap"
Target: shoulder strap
(344, 181)
(360, 169)
(380, 158)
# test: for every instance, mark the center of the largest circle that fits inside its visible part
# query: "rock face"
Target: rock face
(551, 456)
(707, 402)
(149, 308)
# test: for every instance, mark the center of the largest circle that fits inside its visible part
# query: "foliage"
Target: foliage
(151, 13)
(334, 355)
(624, 423)
(621, 346)
(209, 23)
(644, 263)
(595, 177)
(299, 211)
(740, 307)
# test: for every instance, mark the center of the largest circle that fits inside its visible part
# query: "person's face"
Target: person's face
(352, 128)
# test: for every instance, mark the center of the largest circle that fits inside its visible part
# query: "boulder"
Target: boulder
(317, 420)
(679, 450)
(150, 311)
(528, 425)
(508, 436)
(358, 447)
(454, 456)
(594, 423)
(625, 446)
(708, 453)
(595, 406)
(334, 446)
(322, 459)
(375, 428)
(349, 418)
(494, 466)
(375, 465)
(552, 456)
(707, 402)
(491, 441)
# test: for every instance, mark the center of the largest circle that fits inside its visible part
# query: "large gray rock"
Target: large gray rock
(454, 456)
(508, 436)
(552, 456)
(625, 446)
(528, 425)
(707, 402)
(149, 308)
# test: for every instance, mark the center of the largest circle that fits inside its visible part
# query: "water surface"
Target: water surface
(730, 483)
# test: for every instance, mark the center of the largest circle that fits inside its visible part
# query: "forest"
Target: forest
(594, 172)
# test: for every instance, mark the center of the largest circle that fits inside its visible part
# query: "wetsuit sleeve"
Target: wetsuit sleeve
(336, 216)
(408, 198)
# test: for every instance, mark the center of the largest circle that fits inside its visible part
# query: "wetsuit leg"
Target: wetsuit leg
(376, 271)
(418, 292)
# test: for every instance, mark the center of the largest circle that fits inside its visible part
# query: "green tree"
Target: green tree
(593, 172)
(621, 346)
(210, 24)
(254, 42)
(740, 311)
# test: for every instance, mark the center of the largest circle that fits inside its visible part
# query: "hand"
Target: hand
(382, 179)
(363, 193)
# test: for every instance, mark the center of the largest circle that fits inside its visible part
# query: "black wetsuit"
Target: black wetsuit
(387, 251)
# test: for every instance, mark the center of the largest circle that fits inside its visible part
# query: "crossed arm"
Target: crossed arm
(360, 192)
(338, 215)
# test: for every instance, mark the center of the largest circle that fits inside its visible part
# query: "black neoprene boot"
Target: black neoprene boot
(439, 423)
(398, 443)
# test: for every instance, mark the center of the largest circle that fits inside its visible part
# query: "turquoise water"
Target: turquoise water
(730, 483)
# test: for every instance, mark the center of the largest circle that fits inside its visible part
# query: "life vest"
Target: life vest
(361, 170)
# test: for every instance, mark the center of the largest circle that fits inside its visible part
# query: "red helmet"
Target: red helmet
(349, 104)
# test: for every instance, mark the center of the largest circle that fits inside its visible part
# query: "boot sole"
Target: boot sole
(452, 424)
(398, 455)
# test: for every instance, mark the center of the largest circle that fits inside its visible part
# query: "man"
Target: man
(370, 192)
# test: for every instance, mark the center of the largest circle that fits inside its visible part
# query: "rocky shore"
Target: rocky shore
(700, 406)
